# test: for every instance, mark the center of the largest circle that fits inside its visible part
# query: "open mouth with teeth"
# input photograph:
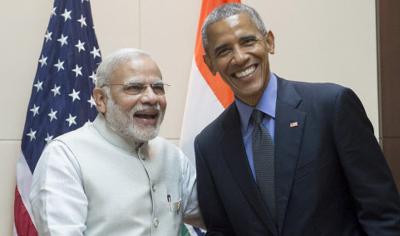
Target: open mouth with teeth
(146, 117)
(246, 73)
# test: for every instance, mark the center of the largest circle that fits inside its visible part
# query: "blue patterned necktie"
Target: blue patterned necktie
(263, 155)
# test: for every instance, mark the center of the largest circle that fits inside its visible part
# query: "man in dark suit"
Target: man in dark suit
(286, 158)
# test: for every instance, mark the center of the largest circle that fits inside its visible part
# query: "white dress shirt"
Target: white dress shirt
(91, 182)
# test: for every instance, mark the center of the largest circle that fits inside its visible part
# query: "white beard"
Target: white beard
(124, 125)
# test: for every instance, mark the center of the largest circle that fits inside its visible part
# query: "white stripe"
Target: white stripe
(24, 181)
(192, 231)
(202, 107)
(14, 231)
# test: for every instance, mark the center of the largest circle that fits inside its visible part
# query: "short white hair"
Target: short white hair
(115, 59)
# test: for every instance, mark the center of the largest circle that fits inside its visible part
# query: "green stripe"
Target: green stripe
(184, 231)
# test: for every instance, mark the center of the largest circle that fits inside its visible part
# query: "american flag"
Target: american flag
(61, 94)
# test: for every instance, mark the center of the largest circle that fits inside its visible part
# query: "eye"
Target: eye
(158, 88)
(134, 88)
(222, 51)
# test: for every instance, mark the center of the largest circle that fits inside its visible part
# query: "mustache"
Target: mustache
(141, 107)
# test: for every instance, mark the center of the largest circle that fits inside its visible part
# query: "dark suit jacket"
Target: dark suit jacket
(331, 176)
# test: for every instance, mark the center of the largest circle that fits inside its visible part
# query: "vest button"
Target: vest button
(153, 187)
(156, 222)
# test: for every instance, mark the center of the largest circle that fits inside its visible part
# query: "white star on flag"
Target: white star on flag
(77, 70)
(80, 46)
(82, 20)
(59, 65)
(56, 90)
(71, 120)
(92, 102)
(38, 85)
(95, 52)
(74, 95)
(93, 77)
(48, 138)
(53, 12)
(52, 115)
(35, 110)
(43, 61)
(63, 40)
(47, 36)
(66, 15)
(31, 135)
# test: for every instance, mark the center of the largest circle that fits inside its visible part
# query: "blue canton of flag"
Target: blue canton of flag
(61, 95)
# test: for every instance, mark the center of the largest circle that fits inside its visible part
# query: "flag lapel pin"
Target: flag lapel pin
(294, 124)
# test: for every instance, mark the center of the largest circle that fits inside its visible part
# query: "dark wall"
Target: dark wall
(388, 28)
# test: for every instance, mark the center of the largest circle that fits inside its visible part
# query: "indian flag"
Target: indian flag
(208, 95)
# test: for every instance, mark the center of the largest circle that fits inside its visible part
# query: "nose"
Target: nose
(148, 96)
(239, 56)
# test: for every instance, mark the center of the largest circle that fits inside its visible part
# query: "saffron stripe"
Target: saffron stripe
(219, 87)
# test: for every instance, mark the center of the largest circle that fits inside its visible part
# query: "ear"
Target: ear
(101, 100)
(270, 41)
(209, 63)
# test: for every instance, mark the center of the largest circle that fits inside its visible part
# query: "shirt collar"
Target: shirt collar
(266, 104)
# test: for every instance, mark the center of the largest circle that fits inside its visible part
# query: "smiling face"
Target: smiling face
(239, 53)
(134, 117)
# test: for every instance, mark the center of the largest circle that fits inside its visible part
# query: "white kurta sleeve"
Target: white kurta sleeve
(58, 200)
(191, 212)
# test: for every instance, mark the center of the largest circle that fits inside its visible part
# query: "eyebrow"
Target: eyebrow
(248, 37)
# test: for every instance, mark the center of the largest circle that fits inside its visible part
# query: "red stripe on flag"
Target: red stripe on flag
(217, 85)
(23, 223)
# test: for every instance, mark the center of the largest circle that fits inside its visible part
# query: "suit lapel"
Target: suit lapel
(235, 156)
(289, 126)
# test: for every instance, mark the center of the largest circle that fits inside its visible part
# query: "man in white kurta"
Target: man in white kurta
(113, 176)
